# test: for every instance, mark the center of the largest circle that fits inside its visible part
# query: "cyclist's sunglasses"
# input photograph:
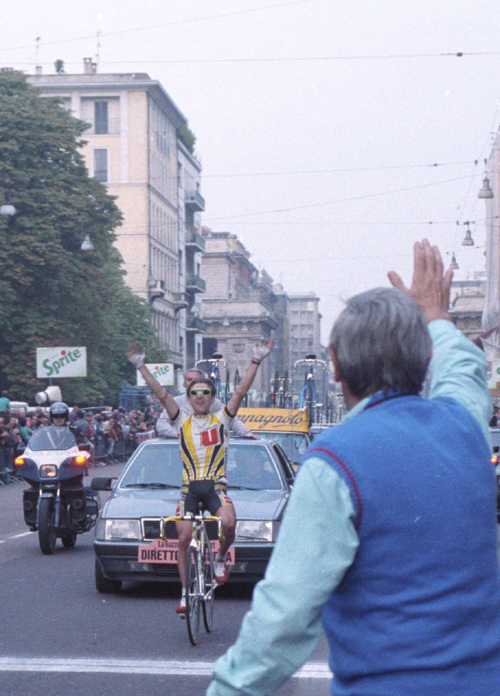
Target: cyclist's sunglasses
(205, 391)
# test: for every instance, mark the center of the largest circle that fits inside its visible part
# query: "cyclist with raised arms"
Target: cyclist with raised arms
(203, 438)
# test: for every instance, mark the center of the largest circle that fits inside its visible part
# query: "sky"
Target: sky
(332, 134)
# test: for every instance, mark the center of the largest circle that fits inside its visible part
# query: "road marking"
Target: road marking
(15, 536)
(152, 667)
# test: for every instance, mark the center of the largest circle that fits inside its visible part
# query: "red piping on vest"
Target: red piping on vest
(351, 479)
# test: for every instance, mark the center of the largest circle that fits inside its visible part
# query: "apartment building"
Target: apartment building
(133, 146)
(305, 335)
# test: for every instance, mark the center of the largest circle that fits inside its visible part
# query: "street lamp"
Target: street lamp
(87, 244)
(7, 208)
(485, 191)
(467, 240)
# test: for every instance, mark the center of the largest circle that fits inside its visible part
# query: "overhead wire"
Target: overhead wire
(336, 170)
(268, 59)
(162, 26)
(338, 200)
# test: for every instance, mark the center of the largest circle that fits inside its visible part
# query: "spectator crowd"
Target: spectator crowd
(113, 433)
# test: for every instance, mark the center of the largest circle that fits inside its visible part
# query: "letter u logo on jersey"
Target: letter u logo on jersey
(210, 437)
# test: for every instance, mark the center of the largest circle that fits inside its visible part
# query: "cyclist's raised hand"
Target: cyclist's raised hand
(260, 351)
(136, 355)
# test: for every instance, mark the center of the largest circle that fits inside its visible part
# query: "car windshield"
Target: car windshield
(154, 466)
(159, 466)
(251, 467)
(293, 444)
(52, 437)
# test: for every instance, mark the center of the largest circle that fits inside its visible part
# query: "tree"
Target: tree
(59, 67)
(187, 138)
(51, 292)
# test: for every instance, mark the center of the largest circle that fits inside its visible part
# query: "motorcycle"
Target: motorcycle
(56, 504)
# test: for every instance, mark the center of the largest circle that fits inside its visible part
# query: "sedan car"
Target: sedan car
(128, 543)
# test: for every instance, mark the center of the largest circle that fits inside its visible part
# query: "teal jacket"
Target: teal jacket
(308, 565)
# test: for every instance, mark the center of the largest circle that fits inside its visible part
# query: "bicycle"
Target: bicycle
(308, 392)
(200, 573)
(307, 396)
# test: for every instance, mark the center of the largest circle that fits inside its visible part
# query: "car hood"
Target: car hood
(136, 503)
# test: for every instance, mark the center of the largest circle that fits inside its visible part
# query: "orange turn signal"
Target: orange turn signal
(80, 459)
(19, 461)
(494, 460)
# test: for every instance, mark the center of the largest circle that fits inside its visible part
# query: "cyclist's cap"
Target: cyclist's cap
(202, 383)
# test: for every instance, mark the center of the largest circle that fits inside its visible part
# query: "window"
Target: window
(101, 124)
(101, 165)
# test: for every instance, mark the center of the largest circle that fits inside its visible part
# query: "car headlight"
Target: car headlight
(111, 530)
(256, 530)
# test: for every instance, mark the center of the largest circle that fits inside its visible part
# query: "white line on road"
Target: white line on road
(153, 667)
(15, 536)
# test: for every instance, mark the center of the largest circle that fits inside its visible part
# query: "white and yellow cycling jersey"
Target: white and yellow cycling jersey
(203, 445)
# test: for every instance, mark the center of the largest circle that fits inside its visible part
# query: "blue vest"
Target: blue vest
(418, 612)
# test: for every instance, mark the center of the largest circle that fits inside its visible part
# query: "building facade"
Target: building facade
(241, 307)
(133, 147)
(467, 305)
(305, 339)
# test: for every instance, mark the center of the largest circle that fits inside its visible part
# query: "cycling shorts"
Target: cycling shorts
(210, 494)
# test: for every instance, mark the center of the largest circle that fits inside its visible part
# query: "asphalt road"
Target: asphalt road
(58, 635)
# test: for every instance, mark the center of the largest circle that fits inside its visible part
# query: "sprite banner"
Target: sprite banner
(493, 374)
(163, 372)
(61, 362)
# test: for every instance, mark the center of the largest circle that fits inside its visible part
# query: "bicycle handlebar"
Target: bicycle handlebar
(190, 518)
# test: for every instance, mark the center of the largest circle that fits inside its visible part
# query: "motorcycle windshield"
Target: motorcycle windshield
(52, 437)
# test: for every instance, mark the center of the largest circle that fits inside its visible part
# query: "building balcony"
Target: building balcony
(194, 240)
(196, 324)
(195, 284)
(194, 201)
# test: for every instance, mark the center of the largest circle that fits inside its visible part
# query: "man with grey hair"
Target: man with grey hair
(390, 535)
(165, 427)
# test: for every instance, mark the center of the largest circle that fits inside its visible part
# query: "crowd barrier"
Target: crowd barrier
(122, 448)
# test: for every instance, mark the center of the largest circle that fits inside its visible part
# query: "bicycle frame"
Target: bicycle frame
(202, 589)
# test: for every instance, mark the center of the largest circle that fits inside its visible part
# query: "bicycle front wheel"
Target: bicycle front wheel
(192, 595)
(209, 594)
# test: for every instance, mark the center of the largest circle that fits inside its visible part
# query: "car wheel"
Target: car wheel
(104, 584)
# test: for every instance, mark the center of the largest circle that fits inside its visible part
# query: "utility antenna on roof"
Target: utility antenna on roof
(98, 44)
(37, 51)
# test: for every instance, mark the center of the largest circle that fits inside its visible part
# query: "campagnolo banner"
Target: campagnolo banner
(61, 362)
(163, 372)
(274, 419)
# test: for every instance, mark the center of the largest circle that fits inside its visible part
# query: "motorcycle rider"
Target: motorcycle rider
(58, 414)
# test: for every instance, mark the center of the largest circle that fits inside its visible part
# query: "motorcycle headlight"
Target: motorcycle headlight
(48, 471)
(256, 530)
(111, 530)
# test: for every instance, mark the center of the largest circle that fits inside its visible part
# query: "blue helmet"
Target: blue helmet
(58, 409)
